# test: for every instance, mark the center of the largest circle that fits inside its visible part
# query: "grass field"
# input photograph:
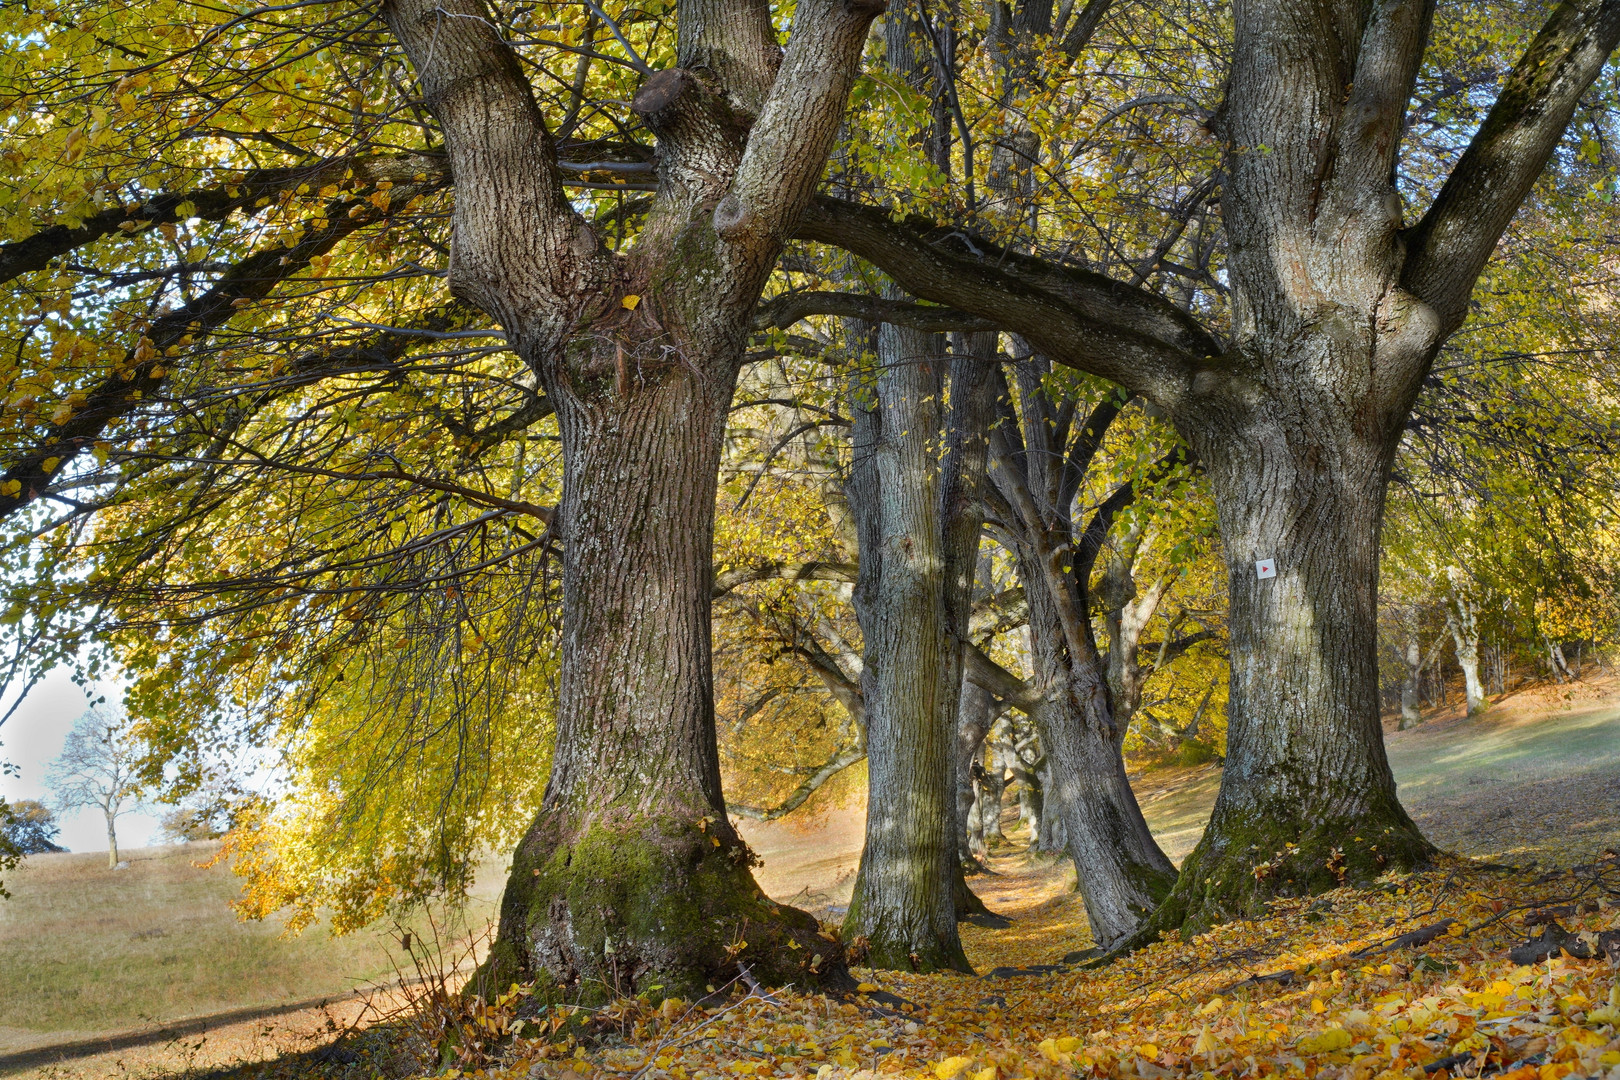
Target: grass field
(85, 950)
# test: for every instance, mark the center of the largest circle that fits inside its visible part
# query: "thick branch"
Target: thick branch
(783, 311)
(1079, 318)
(788, 146)
(774, 570)
(144, 370)
(520, 251)
(1450, 246)
(998, 681)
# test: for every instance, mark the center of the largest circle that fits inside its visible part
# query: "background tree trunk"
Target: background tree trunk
(904, 907)
(1463, 622)
(112, 843)
(1122, 872)
(1413, 661)
(977, 713)
(961, 480)
(993, 788)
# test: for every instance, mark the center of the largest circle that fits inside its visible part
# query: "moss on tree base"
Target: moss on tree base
(1245, 860)
(651, 907)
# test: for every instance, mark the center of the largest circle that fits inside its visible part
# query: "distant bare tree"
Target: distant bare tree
(97, 768)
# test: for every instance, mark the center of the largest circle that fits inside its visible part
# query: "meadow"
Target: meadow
(85, 951)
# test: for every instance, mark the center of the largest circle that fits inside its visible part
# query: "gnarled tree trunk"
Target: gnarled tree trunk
(1037, 472)
(1307, 798)
(631, 880)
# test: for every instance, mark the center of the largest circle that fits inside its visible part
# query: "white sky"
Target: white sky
(32, 739)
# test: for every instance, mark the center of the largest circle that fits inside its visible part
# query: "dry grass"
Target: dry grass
(88, 950)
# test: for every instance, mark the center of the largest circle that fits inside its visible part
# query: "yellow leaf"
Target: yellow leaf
(1147, 1051)
(985, 1074)
(11, 487)
(951, 1066)
(630, 301)
(1067, 1045)
(1206, 1041)
(1317, 1006)
(50, 464)
(1326, 1041)
(867, 988)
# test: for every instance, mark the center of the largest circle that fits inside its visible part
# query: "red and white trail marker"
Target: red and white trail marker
(1264, 568)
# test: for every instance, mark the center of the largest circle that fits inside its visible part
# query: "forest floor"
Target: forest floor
(1325, 987)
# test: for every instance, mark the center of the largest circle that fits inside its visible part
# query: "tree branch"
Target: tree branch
(215, 203)
(1076, 317)
(780, 312)
(834, 765)
(530, 279)
(998, 681)
(788, 145)
(144, 370)
(727, 580)
(1449, 247)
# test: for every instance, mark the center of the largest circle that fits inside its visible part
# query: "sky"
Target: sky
(32, 739)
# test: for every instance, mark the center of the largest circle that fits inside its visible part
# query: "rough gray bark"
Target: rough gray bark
(903, 911)
(993, 788)
(631, 877)
(977, 712)
(1412, 659)
(961, 483)
(1038, 467)
(1338, 312)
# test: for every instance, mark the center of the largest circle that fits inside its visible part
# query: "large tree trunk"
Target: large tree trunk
(631, 879)
(903, 911)
(632, 861)
(1307, 799)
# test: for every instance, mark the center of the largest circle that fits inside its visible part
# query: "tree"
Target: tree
(27, 827)
(260, 346)
(1297, 410)
(98, 768)
(631, 876)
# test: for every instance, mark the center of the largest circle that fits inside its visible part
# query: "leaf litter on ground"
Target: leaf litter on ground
(1422, 976)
